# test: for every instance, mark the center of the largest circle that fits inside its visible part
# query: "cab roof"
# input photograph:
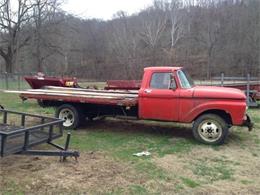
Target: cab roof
(162, 68)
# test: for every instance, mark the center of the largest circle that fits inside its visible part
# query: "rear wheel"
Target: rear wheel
(70, 114)
(210, 129)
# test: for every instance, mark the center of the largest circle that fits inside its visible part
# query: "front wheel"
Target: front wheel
(70, 114)
(210, 129)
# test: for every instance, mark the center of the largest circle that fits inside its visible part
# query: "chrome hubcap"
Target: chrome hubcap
(68, 116)
(210, 130)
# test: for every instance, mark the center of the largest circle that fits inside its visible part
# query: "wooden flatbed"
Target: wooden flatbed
(80, 95)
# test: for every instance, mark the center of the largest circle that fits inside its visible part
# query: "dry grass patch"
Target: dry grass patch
(94, 172)
(228, 170)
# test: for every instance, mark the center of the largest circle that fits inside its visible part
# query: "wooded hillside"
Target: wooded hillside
(205, 36)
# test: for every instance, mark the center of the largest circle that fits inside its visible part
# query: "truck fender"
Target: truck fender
(214, 108)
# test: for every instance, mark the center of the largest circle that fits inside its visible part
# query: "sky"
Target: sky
(103, 9)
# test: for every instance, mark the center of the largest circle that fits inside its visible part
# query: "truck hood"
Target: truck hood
(218, 92)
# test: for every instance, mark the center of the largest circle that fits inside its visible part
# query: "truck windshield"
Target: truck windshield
(185, 79)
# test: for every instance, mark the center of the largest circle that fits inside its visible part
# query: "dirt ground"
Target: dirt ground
(98, 173)
(178, 164)
(94, 172)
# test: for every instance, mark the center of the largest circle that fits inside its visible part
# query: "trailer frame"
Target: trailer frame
(20, 139)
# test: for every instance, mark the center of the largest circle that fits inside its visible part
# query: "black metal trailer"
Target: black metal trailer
(31, 130)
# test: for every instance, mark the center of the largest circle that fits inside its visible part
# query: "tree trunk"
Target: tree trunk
(38, 54)
(209, 68)
(8, 68)
(9, 64)
(66, 63)
(209, 65)
(39, 64)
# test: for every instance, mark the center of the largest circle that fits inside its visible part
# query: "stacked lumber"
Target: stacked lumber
(78, 92)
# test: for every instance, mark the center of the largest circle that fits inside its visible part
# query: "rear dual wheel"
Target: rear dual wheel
(210, 129)
(72, 116)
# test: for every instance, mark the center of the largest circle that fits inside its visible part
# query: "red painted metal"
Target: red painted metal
(123, 84)
(255, 87)
(184, 105)
(180, 104)
(37, 82)
(136, 84)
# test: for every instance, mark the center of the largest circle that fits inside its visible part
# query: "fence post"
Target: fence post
(222, 79)
(248, 89)
(19, 81)
(6, 80)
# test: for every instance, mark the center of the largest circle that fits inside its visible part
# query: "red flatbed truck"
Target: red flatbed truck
(166, 94)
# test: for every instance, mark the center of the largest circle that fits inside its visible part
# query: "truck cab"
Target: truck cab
(169, 94)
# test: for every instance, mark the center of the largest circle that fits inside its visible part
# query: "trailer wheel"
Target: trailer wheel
(210, 129)
(70, 114)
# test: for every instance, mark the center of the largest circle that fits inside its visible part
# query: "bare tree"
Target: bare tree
(207, 36)
(153, 24)
(44, 23)
(210, 32)
(177, 30)
(13, 20)
(152, 31)
(125, 43)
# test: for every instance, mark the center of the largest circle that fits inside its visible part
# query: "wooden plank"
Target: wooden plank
(67, 95)
(83, 93)
(93, 90)
(104, 101)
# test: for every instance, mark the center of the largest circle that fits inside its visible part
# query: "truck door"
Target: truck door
(160, 99)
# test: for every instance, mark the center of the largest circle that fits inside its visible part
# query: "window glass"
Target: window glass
(185, 79)
(161, 80)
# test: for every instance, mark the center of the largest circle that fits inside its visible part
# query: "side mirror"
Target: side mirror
(172, 83)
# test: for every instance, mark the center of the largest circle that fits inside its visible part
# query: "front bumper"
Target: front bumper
(248, 123)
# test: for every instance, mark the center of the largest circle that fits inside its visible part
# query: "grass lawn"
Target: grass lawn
(177, 164)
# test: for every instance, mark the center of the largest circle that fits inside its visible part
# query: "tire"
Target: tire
(71, 114)
(210, 129)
